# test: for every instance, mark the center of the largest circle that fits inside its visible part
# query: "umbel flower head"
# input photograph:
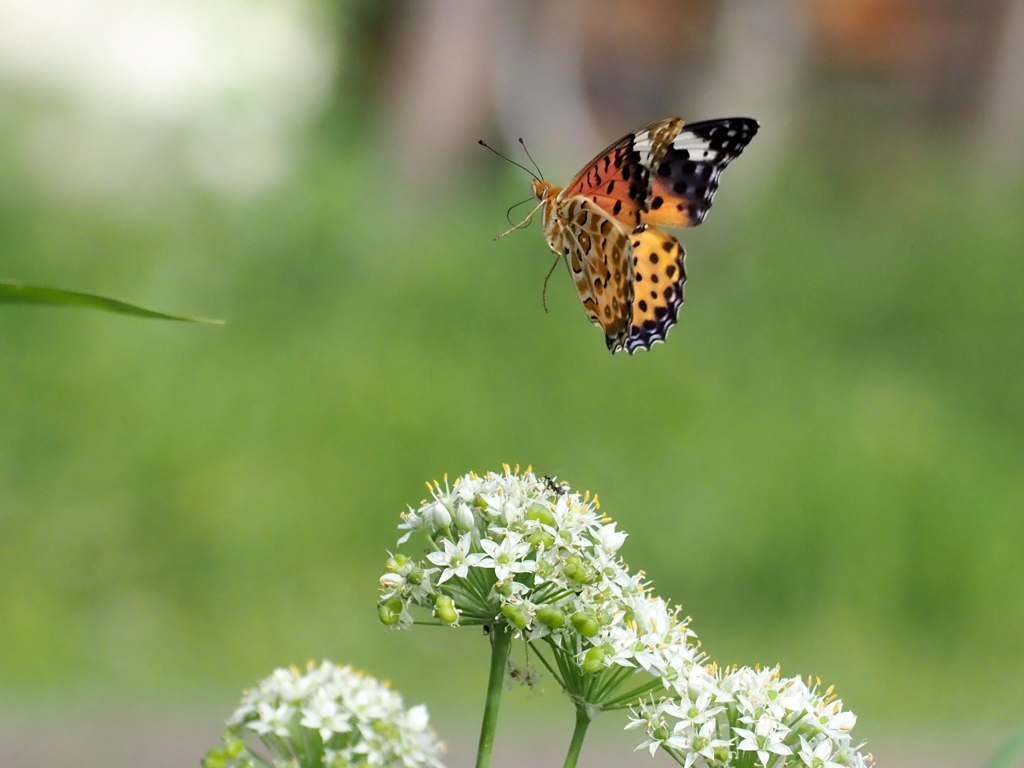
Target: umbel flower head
(521, 551)
(327, 717)
(749, 717)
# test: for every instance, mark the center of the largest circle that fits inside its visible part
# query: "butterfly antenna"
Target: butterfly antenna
(484, 144)
(508, 213)
(539, 171)
(544, 293)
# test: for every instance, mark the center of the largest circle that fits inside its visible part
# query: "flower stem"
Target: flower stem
(579, 732)
(501, 642)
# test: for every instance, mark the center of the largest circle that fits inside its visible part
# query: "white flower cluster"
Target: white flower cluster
(327, 717)
(748, 717)
(520, 551)
(515, 548)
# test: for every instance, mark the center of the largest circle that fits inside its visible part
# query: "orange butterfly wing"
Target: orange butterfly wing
(616, 181)
(598, 254)
(658, 277)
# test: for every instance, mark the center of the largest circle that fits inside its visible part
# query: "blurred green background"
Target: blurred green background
(824, 464)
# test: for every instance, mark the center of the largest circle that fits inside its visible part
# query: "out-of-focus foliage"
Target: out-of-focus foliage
(822, 464)
(1009, 754)
(15, 293)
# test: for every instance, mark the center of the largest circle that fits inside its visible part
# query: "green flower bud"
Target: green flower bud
(661, 733)
(504, 588)
(515, 615)
(585, 622)
(572, 565)
(444, 609)
(541, 514)
(722, 755)
(215, 758)
(233, 747)
(390, 611)
(593, 661)
(583, 574)
(551, 617)
(393, 563)
(416, 576)
(538, 539)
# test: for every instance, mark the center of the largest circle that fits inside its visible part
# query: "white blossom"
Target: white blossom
(719, 715)
(532, 554)
(456, 558)
(327, 717)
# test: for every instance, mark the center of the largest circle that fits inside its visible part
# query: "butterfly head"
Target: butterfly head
(548, 196)
(543, 190)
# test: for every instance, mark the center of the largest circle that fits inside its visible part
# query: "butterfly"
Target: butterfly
(605, 224)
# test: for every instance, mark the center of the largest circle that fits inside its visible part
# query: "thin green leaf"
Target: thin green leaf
(13, 293)
(1010, 755)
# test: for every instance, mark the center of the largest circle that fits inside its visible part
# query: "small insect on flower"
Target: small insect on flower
(554, 486)
(604, 224)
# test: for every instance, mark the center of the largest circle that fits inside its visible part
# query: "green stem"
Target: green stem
(501, 643)
(579, 732)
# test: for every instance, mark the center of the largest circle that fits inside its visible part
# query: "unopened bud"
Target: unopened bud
(515, 616)
(541, 514)
(585, 622)
(593, 661)
(572, 565)
(390, 611)
(582, 574)
(551, 617)
(444, 609)
(439, 515)
(233, 747)
(464, 517)
(540, 539)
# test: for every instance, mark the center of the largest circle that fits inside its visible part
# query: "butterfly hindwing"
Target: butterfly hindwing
(598, 252)
(658, 277)
(685, 177)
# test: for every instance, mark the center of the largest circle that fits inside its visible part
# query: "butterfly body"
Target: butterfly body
(629, 274)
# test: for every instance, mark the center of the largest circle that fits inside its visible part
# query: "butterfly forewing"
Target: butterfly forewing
(685, 177)
(598, 253)
(658, 277)
(616, 181)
